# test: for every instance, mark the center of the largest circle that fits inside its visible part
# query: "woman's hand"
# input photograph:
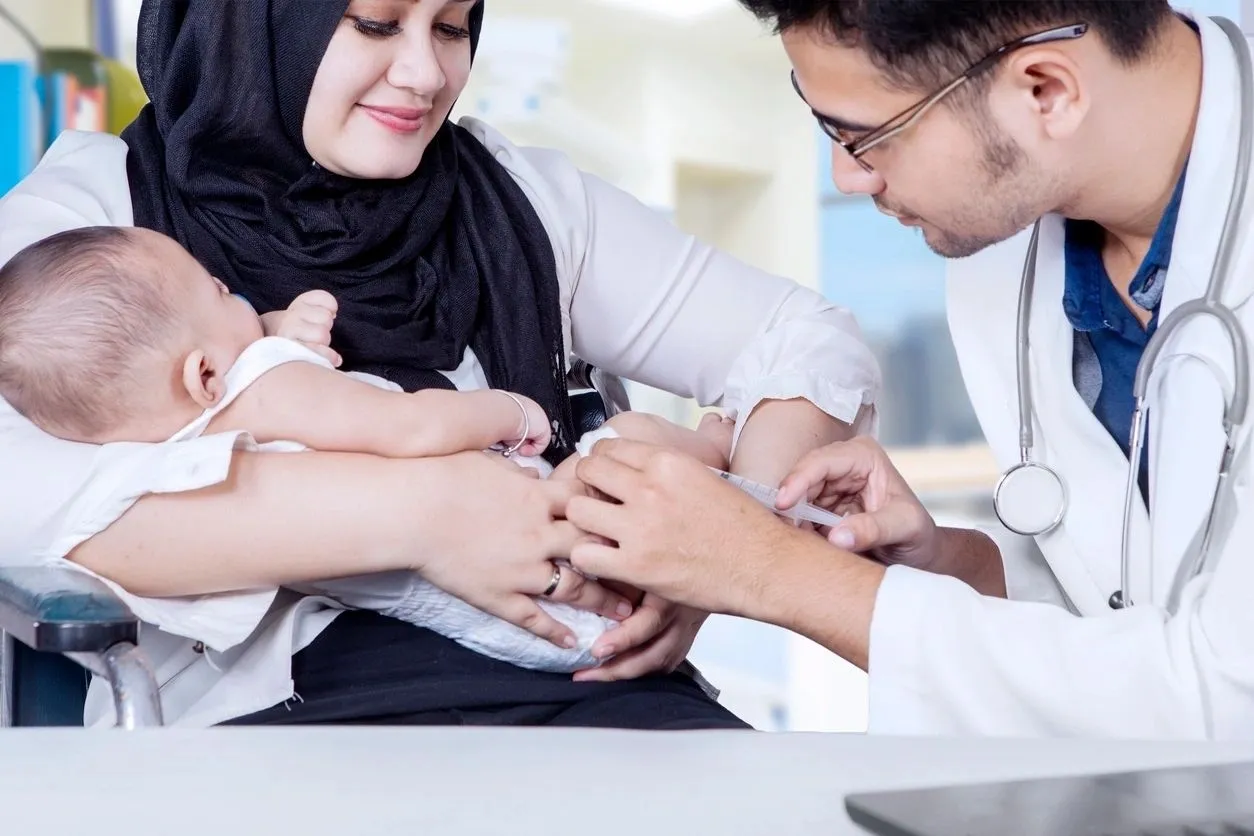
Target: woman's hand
(655, 638)
(493, 544)
(883, 517)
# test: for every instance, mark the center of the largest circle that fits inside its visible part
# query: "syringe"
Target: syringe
(801, 511)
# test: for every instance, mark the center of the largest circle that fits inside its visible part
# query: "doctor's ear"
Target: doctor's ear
(202, 379)
(1050, 86)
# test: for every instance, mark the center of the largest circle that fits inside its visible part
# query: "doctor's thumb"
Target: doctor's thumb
(867, 531)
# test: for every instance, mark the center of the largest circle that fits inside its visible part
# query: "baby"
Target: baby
(118, 334)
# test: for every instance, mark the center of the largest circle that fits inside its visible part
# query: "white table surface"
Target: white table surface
(489, 781)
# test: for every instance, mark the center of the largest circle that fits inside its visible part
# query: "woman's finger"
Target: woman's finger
(527, 614)
(584, 594)
(560, 538)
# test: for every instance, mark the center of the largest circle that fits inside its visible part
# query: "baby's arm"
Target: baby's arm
(327, 410)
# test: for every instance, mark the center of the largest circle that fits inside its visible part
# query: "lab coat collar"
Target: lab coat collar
(1212, 169)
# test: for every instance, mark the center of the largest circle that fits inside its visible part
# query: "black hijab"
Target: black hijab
(449, 257)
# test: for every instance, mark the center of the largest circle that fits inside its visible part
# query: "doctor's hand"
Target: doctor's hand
(665, 524)
(654, 639)
(883, 517)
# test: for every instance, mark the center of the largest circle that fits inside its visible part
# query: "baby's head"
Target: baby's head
(112, 334)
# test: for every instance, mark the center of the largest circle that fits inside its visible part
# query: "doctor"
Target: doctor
(1118, 125)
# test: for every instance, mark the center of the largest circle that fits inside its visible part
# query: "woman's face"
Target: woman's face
(386, 84)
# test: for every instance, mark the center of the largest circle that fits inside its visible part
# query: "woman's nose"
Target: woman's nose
(850, 177)
(416, 67)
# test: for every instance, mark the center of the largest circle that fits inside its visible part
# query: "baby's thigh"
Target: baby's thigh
(566, 470)
(638, 426)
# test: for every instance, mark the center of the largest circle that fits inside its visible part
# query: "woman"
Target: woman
(293, 145)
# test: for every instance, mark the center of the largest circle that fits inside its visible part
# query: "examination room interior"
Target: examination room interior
(652, 96)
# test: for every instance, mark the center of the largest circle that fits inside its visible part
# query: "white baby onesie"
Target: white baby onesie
(406, 595)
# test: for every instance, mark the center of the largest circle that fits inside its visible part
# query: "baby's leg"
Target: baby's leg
(707, 447)
(711, 444)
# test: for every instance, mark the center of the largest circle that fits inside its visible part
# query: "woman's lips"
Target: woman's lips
(403, 120)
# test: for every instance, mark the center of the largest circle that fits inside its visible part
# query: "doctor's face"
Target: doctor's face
(952, 173)
(387, 82)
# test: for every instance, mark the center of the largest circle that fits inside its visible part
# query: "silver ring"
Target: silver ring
(554, 582)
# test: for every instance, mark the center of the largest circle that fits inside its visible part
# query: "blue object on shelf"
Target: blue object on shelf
(104, 28)
(19, 128)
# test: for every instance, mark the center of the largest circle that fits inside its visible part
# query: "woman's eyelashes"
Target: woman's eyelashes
(453, 33)
(388, 28)
(376, 28)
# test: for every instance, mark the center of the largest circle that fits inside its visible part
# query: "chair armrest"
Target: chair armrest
(63, 611)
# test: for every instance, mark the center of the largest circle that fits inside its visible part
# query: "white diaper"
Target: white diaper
(429, 606)
(410, 598)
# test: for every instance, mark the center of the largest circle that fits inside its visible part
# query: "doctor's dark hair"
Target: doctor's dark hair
(78, 311)
(921, 44)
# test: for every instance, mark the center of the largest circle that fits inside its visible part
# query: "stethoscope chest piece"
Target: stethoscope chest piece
(1030, 499)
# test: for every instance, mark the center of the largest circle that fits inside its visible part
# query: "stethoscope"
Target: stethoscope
(1031, 498)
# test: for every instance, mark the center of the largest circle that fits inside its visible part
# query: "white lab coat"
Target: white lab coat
(946, 660)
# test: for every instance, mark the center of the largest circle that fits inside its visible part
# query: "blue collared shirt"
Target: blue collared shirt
(1109, 340)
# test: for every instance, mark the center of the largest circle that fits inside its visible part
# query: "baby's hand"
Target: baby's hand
(535, 426)
(307, 320)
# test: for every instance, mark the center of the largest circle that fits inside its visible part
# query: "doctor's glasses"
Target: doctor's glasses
(856, 146)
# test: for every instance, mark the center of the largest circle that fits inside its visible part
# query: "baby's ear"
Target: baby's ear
(202, 379)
